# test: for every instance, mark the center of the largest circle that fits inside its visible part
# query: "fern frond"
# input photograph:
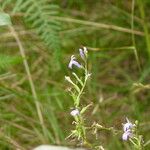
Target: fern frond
(38, 14)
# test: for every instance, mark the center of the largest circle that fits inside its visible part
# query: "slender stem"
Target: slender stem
(22, 52)
(145, 26)
(84, 84)
(133, 36)
(80, 93)
(83, 131)
(97, 25)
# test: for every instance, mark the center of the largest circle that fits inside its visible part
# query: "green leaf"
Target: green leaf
(85, 108)
(5, 19)
(78, 79)
(67, 78)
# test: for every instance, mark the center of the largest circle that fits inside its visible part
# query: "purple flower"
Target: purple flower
(75, 112)
(127, 126)
(74, 62)
(126, 135)
(83, 53)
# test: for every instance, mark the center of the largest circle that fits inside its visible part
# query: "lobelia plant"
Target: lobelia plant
(130, 131)
(78, 86)
(76, 92)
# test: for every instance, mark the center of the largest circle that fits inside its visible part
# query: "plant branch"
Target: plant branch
(98, 25)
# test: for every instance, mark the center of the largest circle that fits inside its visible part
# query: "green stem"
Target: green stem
(83, 86)
(145, 27)
(133, 36)
(80, 93)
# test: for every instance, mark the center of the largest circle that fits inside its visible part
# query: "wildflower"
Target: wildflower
(74, 62)
(83, 52)
(75, 112)
(126, 135)
(127, 126)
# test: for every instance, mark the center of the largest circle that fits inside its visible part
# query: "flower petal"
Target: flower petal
(75, 112)
(74, 62)
(126, 135)
(82, 53)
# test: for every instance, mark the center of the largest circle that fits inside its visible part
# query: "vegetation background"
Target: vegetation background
(34, 55)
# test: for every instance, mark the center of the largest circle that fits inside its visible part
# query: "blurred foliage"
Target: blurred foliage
(117, 37)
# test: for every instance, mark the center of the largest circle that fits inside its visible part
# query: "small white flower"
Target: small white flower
(75, 112)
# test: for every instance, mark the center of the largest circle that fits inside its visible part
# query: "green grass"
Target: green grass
(118, 58)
